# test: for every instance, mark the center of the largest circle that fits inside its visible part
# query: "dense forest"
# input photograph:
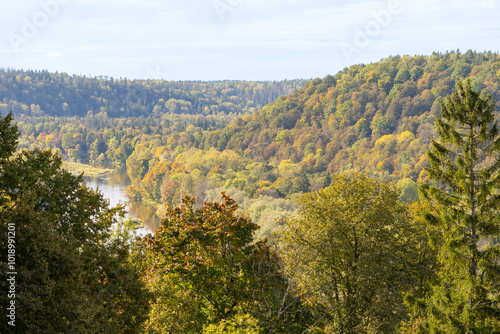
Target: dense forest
(363, 202)
(41, 93)
(376, 119)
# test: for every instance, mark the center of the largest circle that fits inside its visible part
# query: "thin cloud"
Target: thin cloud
(52, 55)
(487, 4)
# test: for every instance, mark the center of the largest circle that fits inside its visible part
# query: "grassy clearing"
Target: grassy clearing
(85, 169)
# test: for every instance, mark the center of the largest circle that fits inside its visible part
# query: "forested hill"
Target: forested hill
(377, 117)
(39, 93)
(390, 266)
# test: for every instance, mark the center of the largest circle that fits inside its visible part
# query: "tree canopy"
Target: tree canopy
(206, 264)
(350, 251)
(377, 119)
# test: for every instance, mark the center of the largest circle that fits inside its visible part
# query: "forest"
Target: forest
(363, 202)
(377, 119)
(41, 93)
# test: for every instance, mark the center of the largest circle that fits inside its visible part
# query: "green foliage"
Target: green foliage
(196, 138)
(354, 107)
(207, 248)
(206, 271)
(8, 137)
(243, 324)
(59, 94)
(266, 211)
(73, 274)
(347, 252)
(409, 190)
(465, 165)
(424, 241)
(331, 125)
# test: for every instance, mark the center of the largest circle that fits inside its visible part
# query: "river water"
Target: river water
(112, 186)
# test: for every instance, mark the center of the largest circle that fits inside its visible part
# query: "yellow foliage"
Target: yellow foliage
(332, 122)
(160, 150)
(41, 137)
(405, 138)
(288, 168)
(264, 184)
(215, 170)
(423, 176)
(383, 141)
(416, 145)
(49, 139)
(340, 100)
(422, 162)
(175, 165)
(370, 77)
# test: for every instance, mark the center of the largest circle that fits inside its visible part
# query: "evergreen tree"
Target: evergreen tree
(8, 138)
(465, 166)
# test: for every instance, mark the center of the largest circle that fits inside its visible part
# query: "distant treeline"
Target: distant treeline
(40, 93)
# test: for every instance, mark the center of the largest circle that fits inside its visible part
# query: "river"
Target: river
(112, 186)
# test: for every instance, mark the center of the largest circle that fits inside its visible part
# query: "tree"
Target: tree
(347, 245)
(239, 325)
(8, 137)
(465, 166)
(204, 251)
(409, 190)
(73, 275)
(422, 261)
(206, 270)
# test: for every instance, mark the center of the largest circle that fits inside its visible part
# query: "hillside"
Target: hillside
(40, 93)
(241, 251)
(376, 118)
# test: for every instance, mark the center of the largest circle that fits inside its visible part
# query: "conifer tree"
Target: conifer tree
(465, 166)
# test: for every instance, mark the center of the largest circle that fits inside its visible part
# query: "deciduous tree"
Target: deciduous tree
(348, 246)
(72, 274)
(206, 263)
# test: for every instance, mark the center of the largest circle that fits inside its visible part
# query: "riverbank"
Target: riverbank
(87, 170)
(112, 184)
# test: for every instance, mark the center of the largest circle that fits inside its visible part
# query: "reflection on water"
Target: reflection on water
(113, 186)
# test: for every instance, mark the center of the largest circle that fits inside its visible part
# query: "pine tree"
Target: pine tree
(8, 138)
(465, 166)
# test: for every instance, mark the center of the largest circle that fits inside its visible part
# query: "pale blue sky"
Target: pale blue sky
(234, 39)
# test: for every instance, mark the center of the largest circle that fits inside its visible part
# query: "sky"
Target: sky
(235, 39)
